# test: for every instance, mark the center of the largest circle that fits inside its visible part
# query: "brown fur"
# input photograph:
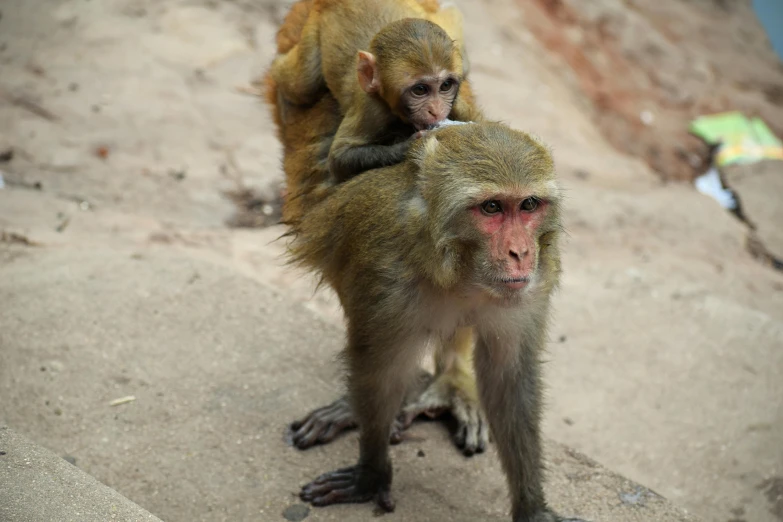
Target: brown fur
(290, 31)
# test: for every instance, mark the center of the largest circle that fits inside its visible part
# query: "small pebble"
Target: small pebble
(296, 512)
(637, 498)
(420, 453)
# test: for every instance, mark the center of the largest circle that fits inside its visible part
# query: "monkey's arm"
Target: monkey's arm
(346, 162)
(354, 149)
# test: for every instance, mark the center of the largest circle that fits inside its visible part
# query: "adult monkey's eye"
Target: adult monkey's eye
(447, 85)
(491, 207)
(529, 205)
(419, 89)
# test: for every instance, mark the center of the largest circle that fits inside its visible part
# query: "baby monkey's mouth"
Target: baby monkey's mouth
(425, 126)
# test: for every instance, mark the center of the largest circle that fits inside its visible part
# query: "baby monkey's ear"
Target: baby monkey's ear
(369, 79)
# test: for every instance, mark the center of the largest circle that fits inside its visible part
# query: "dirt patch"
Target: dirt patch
(649, 68)
(773, 490)
(15, 238)
(255, 210)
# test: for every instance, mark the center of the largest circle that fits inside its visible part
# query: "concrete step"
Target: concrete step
(218, 364)
(38, 486)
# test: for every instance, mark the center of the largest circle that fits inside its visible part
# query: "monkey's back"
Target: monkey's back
(357, 222)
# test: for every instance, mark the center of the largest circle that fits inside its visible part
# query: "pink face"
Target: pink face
(510, 225)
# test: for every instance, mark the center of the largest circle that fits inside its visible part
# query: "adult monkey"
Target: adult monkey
(306, 134)
(476, 210)
(464, 232)
(394, 73)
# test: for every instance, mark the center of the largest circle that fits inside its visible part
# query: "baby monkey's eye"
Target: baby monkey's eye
(447, 85)
(420, 89)
(529, 205)
(491, 207)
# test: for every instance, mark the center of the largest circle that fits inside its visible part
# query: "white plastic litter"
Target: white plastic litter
(709, 183)
(446, 123)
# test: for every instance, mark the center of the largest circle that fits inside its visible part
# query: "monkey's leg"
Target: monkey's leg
(298, 72)
(454, 390)
(378, 378)
(507, 367)
(324, 424)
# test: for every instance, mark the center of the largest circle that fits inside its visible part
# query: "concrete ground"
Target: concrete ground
(118, 277)
(39, 485)
(215, 380)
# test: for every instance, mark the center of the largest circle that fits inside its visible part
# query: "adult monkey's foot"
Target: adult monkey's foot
(349, 485)
(324, 424)
(547, 515)
(451, 392)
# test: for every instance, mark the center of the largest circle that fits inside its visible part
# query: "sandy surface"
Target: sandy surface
(667, 352)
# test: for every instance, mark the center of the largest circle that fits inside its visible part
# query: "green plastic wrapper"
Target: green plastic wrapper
(743, 140)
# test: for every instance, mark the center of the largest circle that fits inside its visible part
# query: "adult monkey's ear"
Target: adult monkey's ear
(369, 79)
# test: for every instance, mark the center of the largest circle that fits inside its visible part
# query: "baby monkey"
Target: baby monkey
(407, 82)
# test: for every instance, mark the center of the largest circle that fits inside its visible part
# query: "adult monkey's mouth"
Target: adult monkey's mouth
(516, 282)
